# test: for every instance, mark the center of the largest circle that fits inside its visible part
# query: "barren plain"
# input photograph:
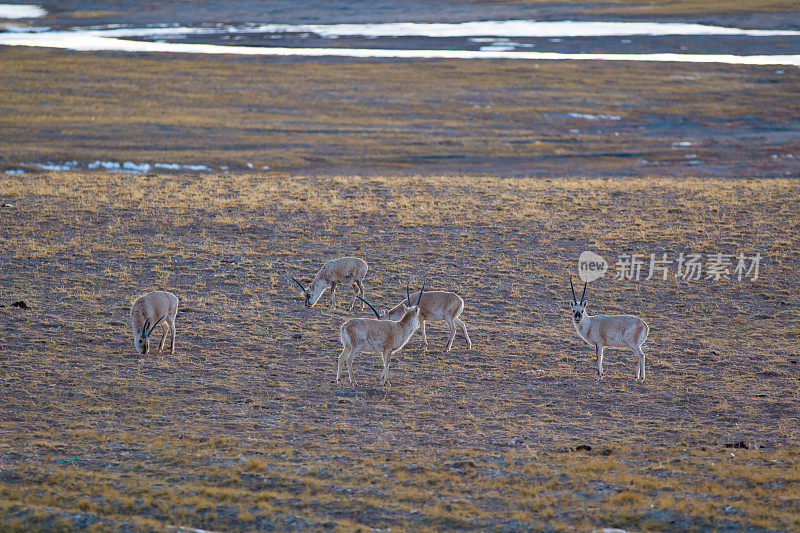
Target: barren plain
(487, 179)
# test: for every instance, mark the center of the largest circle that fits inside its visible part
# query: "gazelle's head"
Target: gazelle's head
(398, 311)
(141, 335)
(306, 294)
(141, 341)
(395, 313)
(578, 308)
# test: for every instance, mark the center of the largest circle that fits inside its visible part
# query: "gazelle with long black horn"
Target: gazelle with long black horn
(345, 270)
(613, 331)
(434, 306)
(147, 312)
(377, 336)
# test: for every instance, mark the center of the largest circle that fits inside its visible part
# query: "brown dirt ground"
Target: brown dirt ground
(504, 118)
(243, 428)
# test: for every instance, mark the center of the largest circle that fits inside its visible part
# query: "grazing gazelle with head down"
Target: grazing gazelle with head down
(345, 270)
(434, 306)
(147, 312)
(376, 336)
(614, 331)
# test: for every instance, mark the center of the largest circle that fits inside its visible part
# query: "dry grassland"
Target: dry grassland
(244, 429)
(507, 118)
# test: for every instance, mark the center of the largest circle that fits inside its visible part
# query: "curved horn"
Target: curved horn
(154, 325)
(574, 299)
(301, 285)
(408, 293)
(420, 293)
(146, 327)
(370, 306)
(584, 291)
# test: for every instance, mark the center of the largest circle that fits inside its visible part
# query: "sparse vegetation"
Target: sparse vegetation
(415, 166)
(504, 118)
(244, 428)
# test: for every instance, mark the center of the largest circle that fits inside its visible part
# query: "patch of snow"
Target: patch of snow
(176, 166)
(133, 167)
(594, 117)
(18, 11)
(15, 171)
(683, 143)
(196, 167)
(108, 165)
(67, 165)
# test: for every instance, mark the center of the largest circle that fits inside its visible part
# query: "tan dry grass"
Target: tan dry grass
(244, 427)
(503, 117)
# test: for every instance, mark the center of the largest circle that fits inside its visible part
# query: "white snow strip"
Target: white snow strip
(176, 166)
(108, 165)
(143, 167)
(83, 42)
(18, 11)
(594, 117)
(486, 28)
(67, 165)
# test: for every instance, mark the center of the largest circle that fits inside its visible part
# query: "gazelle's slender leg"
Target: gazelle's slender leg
(171, 322)
(164, 331)
(355, 292)
(452, 332)
(361, 290)
(424, 337)
(386, 355)
(640, 366)
(355, 351)
(464, 330)
(599, 352)
(383, 362)
(333, 297)
(342, 356)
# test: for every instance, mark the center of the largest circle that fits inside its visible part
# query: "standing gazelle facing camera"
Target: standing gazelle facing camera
(342, 271)
(614, 331)
(147, 312)
(376, 336)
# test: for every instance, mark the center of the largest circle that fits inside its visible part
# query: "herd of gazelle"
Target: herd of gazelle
(391, 330)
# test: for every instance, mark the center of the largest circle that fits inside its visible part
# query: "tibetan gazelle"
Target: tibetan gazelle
(434, 306)
(376, 336)
(147, 312)
(342, 271)
(614, 331)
